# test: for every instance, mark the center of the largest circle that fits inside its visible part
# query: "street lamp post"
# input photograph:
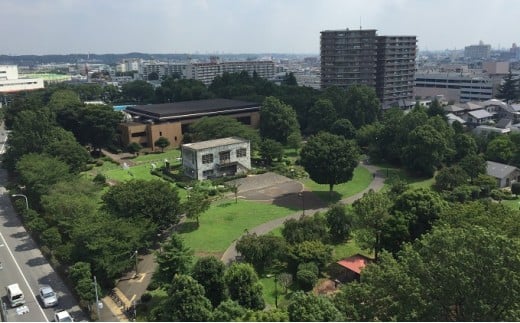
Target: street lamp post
(136, 260)
(25, 197)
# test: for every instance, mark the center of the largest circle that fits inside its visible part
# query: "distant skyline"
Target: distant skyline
(244, 26)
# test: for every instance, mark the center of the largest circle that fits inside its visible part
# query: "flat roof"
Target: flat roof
(215, 143)
(183, 109)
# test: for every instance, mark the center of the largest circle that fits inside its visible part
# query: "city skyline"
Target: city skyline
(250, 26)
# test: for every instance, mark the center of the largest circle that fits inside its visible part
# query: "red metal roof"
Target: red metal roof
(355, 263)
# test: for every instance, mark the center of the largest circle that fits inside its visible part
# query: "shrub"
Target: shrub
(99, 163)
(306, 279)
(146, 297)
(100, 179)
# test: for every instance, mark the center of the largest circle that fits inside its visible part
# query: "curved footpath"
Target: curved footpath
(377, 184)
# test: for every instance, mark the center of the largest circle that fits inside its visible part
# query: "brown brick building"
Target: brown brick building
(170, 120)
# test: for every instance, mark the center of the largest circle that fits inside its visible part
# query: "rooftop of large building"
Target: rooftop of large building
(187, 109)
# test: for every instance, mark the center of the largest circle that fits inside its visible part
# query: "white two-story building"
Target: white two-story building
(216, 158)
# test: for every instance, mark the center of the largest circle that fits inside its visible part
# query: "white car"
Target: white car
(48, 296)
(63, 316)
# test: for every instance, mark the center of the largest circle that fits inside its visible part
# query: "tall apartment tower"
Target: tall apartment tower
(386, 63)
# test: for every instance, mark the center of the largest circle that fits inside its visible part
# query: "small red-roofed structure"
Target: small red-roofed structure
(352, 267)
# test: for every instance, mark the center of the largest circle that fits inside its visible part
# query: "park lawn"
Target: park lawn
(347, 249)
(134, 172)
(360, 181)
(157, 157)
(513, 204)
(414, 182)
(226, 221)
(269, 292)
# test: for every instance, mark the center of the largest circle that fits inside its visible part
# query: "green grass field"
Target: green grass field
(415, 182)
(225, 222)
(157, 157)
(359, 182)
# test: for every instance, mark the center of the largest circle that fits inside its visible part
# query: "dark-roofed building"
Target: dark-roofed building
(505, 174)
(170, 120)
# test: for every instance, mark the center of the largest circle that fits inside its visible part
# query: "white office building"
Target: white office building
(10, 81)
(215, 158)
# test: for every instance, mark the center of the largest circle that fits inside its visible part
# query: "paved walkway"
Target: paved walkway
(377, 183)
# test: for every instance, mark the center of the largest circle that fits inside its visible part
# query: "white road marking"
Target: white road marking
(23, 276)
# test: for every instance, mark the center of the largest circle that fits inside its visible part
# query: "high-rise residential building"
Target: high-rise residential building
(480, 51)
(386, 63)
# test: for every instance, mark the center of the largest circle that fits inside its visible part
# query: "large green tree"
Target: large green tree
(361, 105)
(186, 302)
(173, 257)
(209, 272)
(339, 223)
(305, 229)
(321, 116)
(277, 120)
(197, 203)
(329, 159)
(305, 307)
(261, 251)
(509, 90)
(371, 212)
(501, 149)
(155, 200)
(244, 286)
(451, 274)
(140, 92)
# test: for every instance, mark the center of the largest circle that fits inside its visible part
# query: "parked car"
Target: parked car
(48, 296)
(63, 316)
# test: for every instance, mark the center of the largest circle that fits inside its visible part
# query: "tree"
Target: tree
(271, 150)
(416, 288)
(134, 148)
(208, 128)
(97, 125)
(329, 159)
(186, 301)
(294, 141)
(162, 143)
(321, 116)
(228, 311)
(155, 200)
(39, 172)
(261, 251)
(435, 109)
(311, 308)
(71, 152)
(138, 91)
(500, 149)
(421, 207)
(172, 258)
(515, 188)
(371, 213)
(243, 286)
(361, 105)
(289, 79)
(425, 150)
(197, 203)
(465, 145)
(508, 90)
(473, 165)
(307, 275)
(209, 272)
(450, 177)
(270, 315)
(305, 229)
(344, 128)
(285, 279)
(309, 251)
(339, 223)
(277, 120)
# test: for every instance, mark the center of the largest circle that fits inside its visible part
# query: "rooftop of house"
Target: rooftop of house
(215, 143)
(499, 170)
(480, 114)
(186, 109)
(355, 262)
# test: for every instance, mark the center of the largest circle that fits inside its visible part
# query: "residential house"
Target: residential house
(478, 117)
(504, 174)
(350, 268)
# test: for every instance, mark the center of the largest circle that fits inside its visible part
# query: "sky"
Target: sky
(244, 26)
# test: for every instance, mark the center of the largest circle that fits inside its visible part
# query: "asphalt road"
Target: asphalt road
(23, 263)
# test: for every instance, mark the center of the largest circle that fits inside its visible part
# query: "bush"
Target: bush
(146, 297)
(306, 279)
(100, 179)
(515, 188)
(153, 285)
(99, 162)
